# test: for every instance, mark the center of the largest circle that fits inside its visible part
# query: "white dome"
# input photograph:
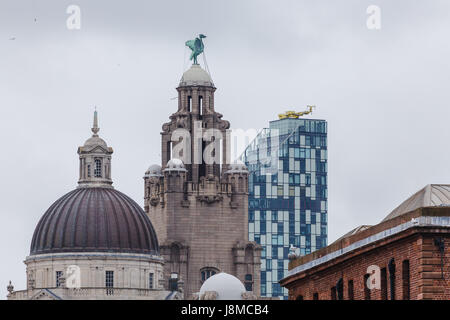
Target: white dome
(153, 171)
(175, 165)
(228, 287)
(196, 76)
(237, 167)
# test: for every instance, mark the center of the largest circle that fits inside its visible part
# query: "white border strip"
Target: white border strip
(415, 222)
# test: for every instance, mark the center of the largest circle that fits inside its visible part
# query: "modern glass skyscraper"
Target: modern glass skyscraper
(287, 194)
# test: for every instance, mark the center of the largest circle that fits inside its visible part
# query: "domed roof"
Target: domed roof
(153, 171)
(175, 165)
(237, 167)
(95, 141)
(227, 286)
(196, 76)
(94, 220)
(432, 195)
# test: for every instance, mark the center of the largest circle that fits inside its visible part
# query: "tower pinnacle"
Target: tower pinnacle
(95, 129)
(95, 160)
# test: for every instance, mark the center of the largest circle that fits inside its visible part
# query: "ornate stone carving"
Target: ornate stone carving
(166, 127)
(209, 295)
(154, 200)
(10, 287)
(248, 295)
(224, 124)
(181, 121)
(195, 296)
(209, 198)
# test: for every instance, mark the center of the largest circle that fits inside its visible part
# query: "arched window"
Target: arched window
(241, 184)
(98, 168)
(175, 253)
(248, 282)
(207, 272)
(249, 254)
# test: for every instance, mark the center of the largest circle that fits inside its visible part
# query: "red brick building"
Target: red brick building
(406, 256)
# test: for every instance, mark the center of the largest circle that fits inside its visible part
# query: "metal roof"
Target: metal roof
(432, 195)
(94, 220)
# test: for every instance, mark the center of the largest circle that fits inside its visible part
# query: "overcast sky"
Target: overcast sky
(385, 94)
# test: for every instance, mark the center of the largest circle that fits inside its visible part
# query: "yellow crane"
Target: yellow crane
(295, 115)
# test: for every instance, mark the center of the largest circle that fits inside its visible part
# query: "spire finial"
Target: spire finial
(95, 129)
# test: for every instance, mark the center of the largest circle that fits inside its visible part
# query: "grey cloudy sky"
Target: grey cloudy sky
(384, 94)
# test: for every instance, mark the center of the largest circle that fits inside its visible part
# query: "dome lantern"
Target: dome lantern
(95, 161)
(175, 165)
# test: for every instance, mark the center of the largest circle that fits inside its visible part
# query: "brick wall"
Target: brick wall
(415, 245)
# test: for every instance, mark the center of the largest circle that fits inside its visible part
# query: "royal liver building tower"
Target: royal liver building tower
(196, 200)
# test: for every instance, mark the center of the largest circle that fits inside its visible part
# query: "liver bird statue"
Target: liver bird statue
(196, 46)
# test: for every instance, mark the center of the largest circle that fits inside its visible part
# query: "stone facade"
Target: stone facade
(131, 277)
(410, 250)
(200, 209)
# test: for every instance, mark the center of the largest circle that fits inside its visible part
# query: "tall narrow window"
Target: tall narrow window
(59, 275)
(366, 288)
(340, 289)
(173, 281)
(351, 294)
(383, 284)
(391, 267)
(98, 168)
(189, 102)
(333, 293)
(89, 170)
(150, 280)
(405, 279)
(109, 282)
(248, 282)
(200, 105)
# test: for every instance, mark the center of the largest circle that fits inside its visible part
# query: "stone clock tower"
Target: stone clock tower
(197, 202)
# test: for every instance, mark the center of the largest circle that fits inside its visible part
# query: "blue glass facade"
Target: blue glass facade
(287, 194)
